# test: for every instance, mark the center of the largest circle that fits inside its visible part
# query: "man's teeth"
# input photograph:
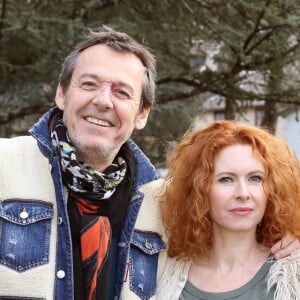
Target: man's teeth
(98, 122)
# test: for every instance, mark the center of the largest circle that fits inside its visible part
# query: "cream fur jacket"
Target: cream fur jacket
(284, 273)
(26, 175)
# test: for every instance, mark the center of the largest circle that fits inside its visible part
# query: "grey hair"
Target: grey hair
(120, 42)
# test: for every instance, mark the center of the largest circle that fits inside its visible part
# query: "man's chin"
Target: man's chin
(89, 149)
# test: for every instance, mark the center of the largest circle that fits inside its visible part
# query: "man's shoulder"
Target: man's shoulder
(17, 143)
(145, 170)
(152, 191)
(21, 149)
(149, 214)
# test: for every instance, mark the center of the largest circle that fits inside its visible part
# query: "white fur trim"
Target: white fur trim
(285, 275)
(25, 173)
(173, 279)
(149, 215)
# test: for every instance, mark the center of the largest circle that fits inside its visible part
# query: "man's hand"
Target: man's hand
(288, 245)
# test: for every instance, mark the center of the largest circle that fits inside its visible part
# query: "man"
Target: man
(77, 220)
(80, 169)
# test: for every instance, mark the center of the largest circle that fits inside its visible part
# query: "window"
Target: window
(219, 115)
(259, 115)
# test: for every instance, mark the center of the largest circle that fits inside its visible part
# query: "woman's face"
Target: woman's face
(237, 197)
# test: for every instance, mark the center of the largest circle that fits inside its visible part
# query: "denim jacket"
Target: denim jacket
(40, 228)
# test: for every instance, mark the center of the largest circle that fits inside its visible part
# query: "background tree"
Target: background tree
(242, 51)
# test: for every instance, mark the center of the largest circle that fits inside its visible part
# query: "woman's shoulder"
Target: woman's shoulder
(284, 275)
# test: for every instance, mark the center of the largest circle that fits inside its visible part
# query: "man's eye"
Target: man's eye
(121, 94)
(88, 85)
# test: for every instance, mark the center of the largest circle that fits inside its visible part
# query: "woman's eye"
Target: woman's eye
(256, 178)
(225, 179)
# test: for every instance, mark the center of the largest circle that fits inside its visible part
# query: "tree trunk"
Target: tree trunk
(229, 109)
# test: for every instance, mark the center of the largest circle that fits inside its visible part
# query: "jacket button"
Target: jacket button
(148, 245)
(59, 220)
(24, 214)
(60, 274)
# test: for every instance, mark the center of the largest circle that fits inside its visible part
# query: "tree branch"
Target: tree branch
(189, 82)
(3, 12)
(256, 27)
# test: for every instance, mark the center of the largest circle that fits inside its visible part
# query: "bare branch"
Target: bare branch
(256, 27)
(2, 16)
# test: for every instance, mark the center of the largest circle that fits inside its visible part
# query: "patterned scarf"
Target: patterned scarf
(81, 178)
(91, 190)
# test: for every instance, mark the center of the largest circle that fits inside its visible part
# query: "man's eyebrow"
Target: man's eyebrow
(89, 75)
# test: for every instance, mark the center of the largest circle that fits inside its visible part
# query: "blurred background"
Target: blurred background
(216, 59)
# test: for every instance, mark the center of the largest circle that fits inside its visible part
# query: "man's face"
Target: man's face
(102, 105)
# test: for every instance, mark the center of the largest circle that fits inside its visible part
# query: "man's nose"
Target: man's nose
(104, 95)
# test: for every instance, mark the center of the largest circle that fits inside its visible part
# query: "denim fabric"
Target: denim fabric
(145, 172)
(64, 288)
(145, 247)
(25, 233)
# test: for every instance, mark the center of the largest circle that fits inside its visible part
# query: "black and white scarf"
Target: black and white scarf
(93, 202)
(81, 178)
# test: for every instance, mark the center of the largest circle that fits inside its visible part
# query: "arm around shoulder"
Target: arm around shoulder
(285, 275)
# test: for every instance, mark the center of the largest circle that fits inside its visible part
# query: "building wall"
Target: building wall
(290, 132)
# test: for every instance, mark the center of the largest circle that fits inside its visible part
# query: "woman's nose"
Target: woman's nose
(242, 191)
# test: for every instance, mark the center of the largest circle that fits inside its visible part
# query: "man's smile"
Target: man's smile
(100, 122)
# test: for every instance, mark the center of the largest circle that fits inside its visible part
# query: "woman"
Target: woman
(233, 191)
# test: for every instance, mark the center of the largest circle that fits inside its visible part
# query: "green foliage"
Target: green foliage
(202, 46)
(167, 123)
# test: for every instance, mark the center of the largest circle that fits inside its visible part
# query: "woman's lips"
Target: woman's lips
(242, 211)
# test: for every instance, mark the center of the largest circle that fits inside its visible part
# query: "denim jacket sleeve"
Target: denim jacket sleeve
(147, 247)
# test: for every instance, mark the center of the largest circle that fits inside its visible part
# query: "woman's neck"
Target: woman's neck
(237, 248)
(232, 262)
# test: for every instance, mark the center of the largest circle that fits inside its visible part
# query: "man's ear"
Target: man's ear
(142, 118)
(60, 98)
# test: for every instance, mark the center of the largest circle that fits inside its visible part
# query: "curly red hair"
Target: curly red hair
(185, 207)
